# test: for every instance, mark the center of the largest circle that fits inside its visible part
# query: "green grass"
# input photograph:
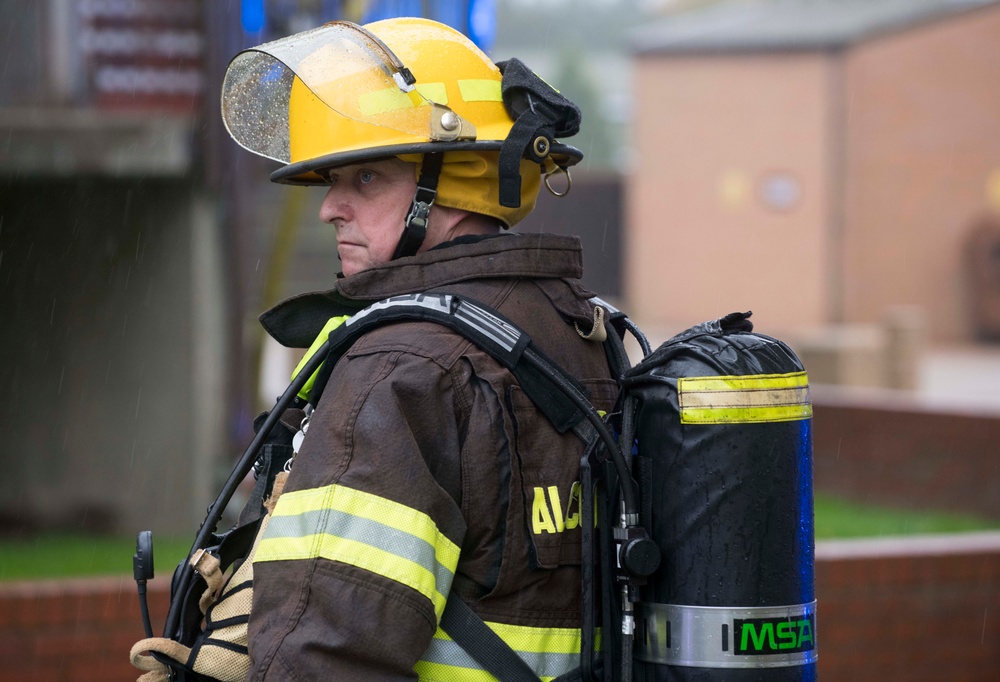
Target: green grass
(52, 555)
(65, 555)
(838, 518)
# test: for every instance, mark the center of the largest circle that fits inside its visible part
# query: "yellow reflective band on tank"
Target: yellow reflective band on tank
(744, 399)
(364, 530)
(393, 99)
(330, 325)
(550, 652)
(480, 90)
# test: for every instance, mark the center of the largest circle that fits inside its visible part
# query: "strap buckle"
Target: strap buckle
(420, 210)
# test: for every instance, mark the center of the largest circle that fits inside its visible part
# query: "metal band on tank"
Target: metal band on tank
(724, 637)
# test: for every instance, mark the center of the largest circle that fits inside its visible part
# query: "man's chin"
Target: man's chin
(349, 262)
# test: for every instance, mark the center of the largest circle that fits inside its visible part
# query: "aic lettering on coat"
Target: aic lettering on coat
(552, 512)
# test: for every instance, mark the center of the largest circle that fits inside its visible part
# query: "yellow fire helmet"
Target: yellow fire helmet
(481, 134)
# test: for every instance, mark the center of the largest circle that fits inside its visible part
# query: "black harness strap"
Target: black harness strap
(485, 646)
(484, 327)
(554, 392)
(415, 226)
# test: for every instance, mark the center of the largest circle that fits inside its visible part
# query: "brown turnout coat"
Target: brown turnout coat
(416, 415)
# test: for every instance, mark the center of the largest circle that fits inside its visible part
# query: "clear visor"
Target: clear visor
(347, 68)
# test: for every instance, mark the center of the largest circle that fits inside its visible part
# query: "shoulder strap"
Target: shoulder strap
(558, 395)
(554, 392)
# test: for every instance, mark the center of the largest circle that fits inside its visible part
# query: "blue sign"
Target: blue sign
(252, 15)
(476, 18)
(482, 23)
(388, 9)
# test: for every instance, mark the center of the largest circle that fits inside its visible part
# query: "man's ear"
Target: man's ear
(446, 223)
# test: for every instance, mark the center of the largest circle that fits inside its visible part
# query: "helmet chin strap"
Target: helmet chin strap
(415, 226)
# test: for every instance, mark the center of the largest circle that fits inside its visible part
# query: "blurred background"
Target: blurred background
(832, 165)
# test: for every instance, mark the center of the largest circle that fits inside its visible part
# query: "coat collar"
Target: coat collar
(295, 322)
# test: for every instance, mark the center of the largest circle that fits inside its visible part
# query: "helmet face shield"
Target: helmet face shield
(343, 66)
(255, 104)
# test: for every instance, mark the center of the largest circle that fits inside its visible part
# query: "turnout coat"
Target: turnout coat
(425, 471)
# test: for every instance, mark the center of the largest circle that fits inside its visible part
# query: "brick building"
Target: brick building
(818, 162)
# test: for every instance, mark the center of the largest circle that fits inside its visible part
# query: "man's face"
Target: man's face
(367, 204)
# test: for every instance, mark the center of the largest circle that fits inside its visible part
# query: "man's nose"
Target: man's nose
(335, 206)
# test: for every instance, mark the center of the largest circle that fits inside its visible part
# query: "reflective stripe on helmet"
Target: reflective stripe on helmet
(480, 90)
(393, 99)
(364, 530)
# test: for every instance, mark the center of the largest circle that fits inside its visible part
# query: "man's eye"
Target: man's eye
(365, 176)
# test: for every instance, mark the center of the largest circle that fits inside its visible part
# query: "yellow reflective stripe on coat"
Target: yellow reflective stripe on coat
(744, 399)
(363, 530)
(550, 652)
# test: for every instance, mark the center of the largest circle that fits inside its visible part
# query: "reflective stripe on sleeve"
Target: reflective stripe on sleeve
(744, 399)
(550, 652)
(363, 530)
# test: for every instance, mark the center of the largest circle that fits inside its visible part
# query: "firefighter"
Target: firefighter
(425, 472)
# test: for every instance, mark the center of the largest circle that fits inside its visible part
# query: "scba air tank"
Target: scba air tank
(725, 470)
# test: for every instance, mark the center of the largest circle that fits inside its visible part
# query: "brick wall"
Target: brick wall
(913, 609)
(888, 449)
(73, 631)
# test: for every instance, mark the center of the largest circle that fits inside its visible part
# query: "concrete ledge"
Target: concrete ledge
(74, 586)
(888, 399)
(985, 542)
